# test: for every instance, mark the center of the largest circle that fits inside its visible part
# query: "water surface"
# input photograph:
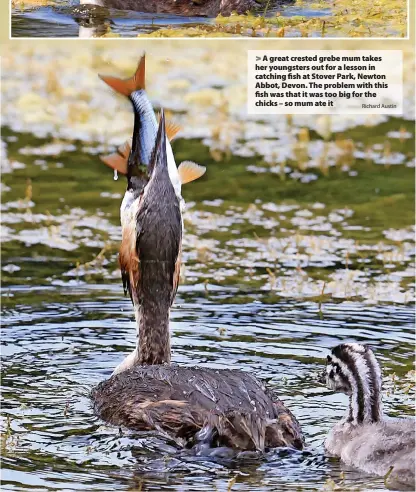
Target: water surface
(67, 19)
(281, 263)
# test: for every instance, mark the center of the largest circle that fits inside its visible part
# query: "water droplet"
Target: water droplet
(115, 175)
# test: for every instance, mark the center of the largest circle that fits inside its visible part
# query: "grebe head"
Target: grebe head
(352, 369)
(346, 362)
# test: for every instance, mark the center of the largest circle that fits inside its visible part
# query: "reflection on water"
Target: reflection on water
(277, 271)
(57, 19)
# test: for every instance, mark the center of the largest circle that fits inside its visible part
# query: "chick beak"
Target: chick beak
(322, 377)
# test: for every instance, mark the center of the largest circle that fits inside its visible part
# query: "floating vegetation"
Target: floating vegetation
(404, 384)
(303, 18)
(356, 18)
(27, 3)
(206, 96)
(304, 200)
(358, 244)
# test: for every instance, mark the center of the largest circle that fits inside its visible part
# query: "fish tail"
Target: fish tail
(130, 85)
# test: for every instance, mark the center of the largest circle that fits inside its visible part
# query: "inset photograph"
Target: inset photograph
(209, 18)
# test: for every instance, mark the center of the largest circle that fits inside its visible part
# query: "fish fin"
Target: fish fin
(190, 171)
(172, 129)
(125, 149)
(132, 84)
(116, 162)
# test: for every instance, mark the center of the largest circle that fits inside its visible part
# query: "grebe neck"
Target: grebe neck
(363, 374)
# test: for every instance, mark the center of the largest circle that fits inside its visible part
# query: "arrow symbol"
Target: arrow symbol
(258, 58)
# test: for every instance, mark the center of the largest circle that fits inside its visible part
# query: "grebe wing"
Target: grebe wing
(182, 401)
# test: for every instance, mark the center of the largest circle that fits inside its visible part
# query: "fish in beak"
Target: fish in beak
(132, 160)
(136, 162)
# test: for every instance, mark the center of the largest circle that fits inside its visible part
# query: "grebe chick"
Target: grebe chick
(364, 438)
(218, 408)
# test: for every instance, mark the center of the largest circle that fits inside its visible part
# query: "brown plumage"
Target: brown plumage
(180, 401)
(154, 264)
(127, 256)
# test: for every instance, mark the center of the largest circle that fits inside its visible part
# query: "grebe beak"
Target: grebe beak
(159, 160)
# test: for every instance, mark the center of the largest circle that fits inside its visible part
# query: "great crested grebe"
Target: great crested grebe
(212, 409)
(364, 438)
(191, 8)
(134, 162)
